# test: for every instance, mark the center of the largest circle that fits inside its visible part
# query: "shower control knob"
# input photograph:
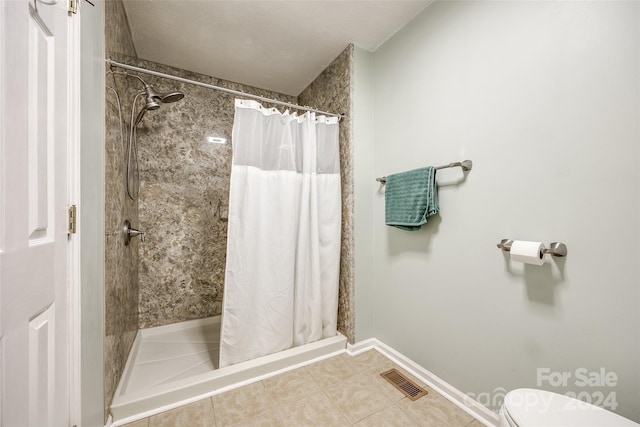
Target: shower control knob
(130, 232)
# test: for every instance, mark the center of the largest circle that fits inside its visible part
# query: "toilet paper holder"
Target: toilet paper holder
(556, 248)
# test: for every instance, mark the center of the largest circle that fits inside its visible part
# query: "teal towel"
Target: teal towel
(410, 197)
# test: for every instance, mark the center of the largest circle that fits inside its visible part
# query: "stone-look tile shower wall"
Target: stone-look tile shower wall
(332, 91)
(185, 186)
(121, 272)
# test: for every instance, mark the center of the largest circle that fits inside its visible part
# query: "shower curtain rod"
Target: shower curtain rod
(222, 89)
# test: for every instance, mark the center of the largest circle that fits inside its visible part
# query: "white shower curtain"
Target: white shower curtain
(283, 238)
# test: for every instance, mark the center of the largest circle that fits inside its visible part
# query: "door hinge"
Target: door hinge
(72, 219)
(73, 6)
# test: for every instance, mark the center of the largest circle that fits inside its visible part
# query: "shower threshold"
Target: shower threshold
(178, 362)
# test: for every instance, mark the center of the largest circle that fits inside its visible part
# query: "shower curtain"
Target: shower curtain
(283, 238)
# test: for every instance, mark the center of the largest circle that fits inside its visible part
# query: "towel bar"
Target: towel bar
(466, 166)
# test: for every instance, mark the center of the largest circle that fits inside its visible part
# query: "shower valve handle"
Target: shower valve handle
(130, 232)
(133, 233)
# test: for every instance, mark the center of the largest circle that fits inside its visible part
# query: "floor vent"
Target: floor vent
(404, 384)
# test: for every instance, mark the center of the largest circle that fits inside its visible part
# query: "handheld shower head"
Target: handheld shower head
(153, 99)
(165, 98)
(142, 113)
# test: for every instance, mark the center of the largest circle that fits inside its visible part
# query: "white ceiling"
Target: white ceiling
(281, 45)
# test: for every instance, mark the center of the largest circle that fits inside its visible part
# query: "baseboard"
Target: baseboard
(455, 396)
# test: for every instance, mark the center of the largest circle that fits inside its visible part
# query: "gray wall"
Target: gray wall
(363, 164)
(544, 98)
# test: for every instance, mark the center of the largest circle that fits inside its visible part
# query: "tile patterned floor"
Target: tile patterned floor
(340, 391)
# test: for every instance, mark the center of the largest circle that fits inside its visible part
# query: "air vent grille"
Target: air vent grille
(404, 384)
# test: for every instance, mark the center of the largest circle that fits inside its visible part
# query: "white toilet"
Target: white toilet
(526, 407)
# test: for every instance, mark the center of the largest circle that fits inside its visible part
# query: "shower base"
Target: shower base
(174, 363)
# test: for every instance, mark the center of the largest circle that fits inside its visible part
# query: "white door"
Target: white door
(34, 135)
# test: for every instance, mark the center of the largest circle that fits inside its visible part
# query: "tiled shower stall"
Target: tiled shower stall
(178, 273)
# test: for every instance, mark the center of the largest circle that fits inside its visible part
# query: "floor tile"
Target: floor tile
(392, 416)
(338, 391)
(315, 410)
(197, 414)
(433, 410)
(330, 371)
(290, 386)
(367, 360)
(357, 398)
(266, 419)
(241, 404)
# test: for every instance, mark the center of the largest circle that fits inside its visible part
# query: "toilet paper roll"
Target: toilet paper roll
(527, 252)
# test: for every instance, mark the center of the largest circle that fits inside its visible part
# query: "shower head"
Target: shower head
(151, 104)
(153, 99)
(165, 98)
(169, 97)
